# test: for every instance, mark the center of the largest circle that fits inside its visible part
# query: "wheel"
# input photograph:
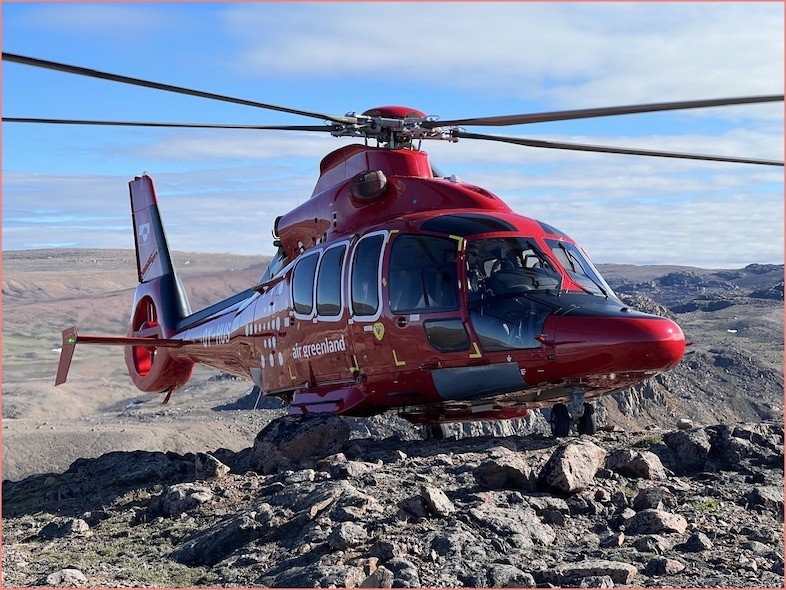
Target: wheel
(588, 424)
(560, 421)
(435, 431)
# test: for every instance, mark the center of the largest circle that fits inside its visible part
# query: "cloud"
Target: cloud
(95, 18)
(564, 53)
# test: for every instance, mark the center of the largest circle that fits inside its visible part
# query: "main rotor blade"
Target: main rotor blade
(603, 111)
(79, 71)
(611, 150)
(177, 125)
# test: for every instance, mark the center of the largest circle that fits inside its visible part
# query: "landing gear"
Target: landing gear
(435, 431)
(578, 412)
(560, 421)
(588, 423)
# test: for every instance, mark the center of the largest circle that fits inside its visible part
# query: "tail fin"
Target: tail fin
(152, 252)
(155, 270)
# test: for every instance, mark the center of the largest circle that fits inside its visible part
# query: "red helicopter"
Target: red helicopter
(395, 289)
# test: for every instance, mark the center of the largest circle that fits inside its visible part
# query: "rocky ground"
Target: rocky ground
(104, 486)
(308, 506)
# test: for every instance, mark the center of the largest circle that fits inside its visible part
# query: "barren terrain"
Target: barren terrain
(64, 448)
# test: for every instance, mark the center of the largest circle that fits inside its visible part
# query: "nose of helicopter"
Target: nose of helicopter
(618, 344)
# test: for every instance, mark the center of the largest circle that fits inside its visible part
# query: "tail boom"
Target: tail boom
(71, 338)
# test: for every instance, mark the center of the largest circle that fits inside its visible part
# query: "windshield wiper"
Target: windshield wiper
(571, 258)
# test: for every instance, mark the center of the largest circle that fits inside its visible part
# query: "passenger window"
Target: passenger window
(329, 282)
(423, 274)
(303, 284)
(365, 276)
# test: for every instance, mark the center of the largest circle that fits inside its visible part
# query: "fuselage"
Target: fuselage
(393, 289)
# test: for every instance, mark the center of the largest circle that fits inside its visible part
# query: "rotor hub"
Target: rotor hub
(394, 126)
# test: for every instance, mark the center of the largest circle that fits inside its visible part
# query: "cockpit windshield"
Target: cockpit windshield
(580, 269)
(502, 266)
(500, 274)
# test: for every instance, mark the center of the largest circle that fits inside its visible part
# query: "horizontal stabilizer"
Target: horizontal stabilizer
(71, 338)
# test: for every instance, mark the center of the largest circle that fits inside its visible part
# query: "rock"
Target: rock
(684, 424)
(219, 541)
(631, 463)
(296, 477)
(436, 501)
(696, 542)
(386, 550)
(93, 517)
(506, 471)
(612, 539)
(655, 498)
(653, 544)
(459, 542)
(206, 466)
(521, 527)
(62, 528)
(596, 582)
(502, 575)
(359, 468)
(72, 578)
(572, 466)
(292, 439)
(412, 507)
(544, 503)
(347, 535)
(317, 576)
(381, 577)
(655, 521)
(182, 497)
(571, 574)
(405, 574)
(691, 449)
(767, 497)
(662, 566)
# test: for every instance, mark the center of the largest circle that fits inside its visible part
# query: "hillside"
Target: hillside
(95, 472)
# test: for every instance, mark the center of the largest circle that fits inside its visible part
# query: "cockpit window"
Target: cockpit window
(466, 224)
(580, 269)
(501, 266)
(501, 273)
(278, 262)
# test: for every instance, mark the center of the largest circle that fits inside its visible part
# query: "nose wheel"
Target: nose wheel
(581, 415)
(435, 431)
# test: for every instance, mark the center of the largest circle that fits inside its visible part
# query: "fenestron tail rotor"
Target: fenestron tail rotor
(398, 126)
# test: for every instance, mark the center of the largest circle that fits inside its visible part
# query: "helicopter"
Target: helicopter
(395, 288)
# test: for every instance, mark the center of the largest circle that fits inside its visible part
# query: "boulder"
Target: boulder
(571, 574)
(381, 577)
(292, 440)
(767, 498)
(632, 463)
(506, 471)
(436, 501)
(691, 449)
(207, 466)
(652, 521)
(572, 466)
(217, 542)
(520, 527)
(662, 566)
(69, 577)
(63, 527)
(405, 574)
(346, 535)
(182, 497)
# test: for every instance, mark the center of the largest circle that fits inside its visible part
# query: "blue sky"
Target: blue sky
(221, 190)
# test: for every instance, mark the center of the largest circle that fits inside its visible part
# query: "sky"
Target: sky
(220, 190)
